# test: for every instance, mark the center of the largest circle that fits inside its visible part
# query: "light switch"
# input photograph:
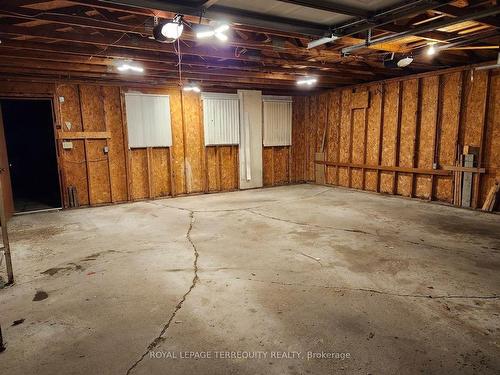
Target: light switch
(61, 99)
(106, 149)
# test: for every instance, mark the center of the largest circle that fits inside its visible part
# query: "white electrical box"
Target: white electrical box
(67, 145)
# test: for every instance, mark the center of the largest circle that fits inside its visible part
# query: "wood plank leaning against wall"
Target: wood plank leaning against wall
(403, 140)
(93, 117)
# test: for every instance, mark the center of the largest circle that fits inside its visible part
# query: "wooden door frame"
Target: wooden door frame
(55, 121)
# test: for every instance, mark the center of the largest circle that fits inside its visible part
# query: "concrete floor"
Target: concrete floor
(402, 286)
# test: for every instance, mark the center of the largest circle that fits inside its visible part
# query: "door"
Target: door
(29, 145)
(8, 201)
(250, 139)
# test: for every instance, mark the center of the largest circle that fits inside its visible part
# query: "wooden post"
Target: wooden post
(2, 346)
(5, 238)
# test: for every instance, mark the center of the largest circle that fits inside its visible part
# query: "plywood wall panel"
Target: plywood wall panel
(177, 141)
(228, 162)
(332, 136)
(492, 137)
(412, 123)
(160, 171)
(321, 115)
(75, 167)
(426, 134)
(298, 139)
(475, 102)
(73, 161)
(450, 118)
(146, 173)
(267, 166)
(193, 129)
(71, 117)
(345, 137)
(92, 106)
(116, 144)
(98, 171)
(139, 173)
(389, 134)
(311, 131)
(408, 133)
(358, 146)
(281, 165)
(212, 168)
(374, 113)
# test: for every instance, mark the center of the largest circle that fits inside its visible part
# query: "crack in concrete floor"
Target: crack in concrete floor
(243, 208)
(375, 291)
(158, 339)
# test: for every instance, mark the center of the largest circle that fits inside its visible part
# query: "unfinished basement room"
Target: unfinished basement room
(265, 187)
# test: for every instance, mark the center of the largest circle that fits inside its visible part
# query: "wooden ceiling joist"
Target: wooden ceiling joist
(66, 38)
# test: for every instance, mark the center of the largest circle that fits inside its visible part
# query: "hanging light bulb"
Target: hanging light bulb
(306, 81)
(217, 31)
(128, 66)
(192, 87)
(168, 32)
(431, 50)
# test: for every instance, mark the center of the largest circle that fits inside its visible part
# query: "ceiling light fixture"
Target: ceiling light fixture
(321, 41)
(405, 61)
(192, 87)
(168, 32)
(306, 81)
(128, 66)
(217, 31)
(431, 50)
(392, 60)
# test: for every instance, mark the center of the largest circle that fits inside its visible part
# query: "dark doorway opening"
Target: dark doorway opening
(31, 152)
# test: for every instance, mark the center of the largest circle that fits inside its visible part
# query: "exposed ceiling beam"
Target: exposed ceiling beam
(91, 52)
(141, 29)
(330, 7)
(205, 4)
(493, 10)
(219, 12)
(39, 70)
(387, 16)
(453, 11)
(155, 68)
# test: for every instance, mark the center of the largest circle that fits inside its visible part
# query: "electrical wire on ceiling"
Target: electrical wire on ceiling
(35, 16)
(179, 64)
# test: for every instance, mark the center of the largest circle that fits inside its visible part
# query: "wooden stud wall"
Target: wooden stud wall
(383, 136)
(94, 117)
(276, 165)
(402, 139)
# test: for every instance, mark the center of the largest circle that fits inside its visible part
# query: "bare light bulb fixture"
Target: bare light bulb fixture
(192, 87)
(217, 31)
(128, 66)
(169, 32)
(431, 50)
(307, 81)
